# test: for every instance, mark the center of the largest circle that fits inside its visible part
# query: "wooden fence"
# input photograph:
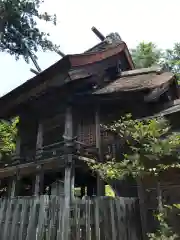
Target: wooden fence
(43, 218)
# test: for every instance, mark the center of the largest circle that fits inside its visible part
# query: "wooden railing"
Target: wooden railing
(51, 150)
(48, 151)
(57, 149)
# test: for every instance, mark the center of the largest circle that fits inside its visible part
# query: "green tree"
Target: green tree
(19, 32)
(164, 232)
(172, 59)
(149, 148)
(146, 55)
(8, 132)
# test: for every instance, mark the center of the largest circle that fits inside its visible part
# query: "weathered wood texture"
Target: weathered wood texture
(41, 218)
(100, 182)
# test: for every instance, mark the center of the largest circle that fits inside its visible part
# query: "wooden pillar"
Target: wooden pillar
(159, 195)
(142, 208)
(38, 187)
(69, 166)
(39, 181)
(69, 171)
(100, 182)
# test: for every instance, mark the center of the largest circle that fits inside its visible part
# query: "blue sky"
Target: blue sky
(134, 20)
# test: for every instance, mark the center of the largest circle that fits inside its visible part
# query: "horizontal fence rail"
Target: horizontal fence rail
(43, 218)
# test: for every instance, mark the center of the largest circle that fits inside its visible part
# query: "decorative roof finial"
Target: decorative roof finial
(98, 33)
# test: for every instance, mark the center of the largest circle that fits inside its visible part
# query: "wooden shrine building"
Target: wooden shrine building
(61, 111)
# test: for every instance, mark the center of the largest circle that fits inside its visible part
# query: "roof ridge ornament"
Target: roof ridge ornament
(113, 38)
(110, 38)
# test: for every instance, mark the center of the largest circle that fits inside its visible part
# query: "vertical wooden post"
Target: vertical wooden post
(38, 185)
(159, 195)
(18, 146)
(142, 208)
(100, 182)
(38, 188)
(39, 141)
(69, 166)
(69, 172)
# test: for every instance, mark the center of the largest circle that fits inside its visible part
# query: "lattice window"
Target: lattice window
(87, 133)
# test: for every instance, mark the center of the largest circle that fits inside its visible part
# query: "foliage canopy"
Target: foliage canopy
(146, 55)
(19, 32)
(148, 148)
(8, 132)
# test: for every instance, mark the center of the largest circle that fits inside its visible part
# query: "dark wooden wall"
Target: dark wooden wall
(28, 134)
(83, 121)
(53, 129)
(85, 129)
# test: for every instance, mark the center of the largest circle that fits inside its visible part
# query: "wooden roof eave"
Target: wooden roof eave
(167, 110)
(124, 84)
(50, 78)
(129, 57)
(78, 60)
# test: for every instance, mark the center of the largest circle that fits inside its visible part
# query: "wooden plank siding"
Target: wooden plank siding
(41, 218)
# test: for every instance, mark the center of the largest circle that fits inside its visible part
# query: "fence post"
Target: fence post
(142, 208)
(97, 219)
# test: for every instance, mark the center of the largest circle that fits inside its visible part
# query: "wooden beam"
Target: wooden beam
(98, 33)
(100, 182)
(159, 196)
(142, 207)
(68, 140)
(33, 58)
(142, 71)
(59, 52)
(34, 71)
(39, 181)
(38, 188)
(69, 171)
(31, 167)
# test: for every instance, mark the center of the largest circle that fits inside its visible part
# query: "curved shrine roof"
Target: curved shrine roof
(63, 71)
(60, 73)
